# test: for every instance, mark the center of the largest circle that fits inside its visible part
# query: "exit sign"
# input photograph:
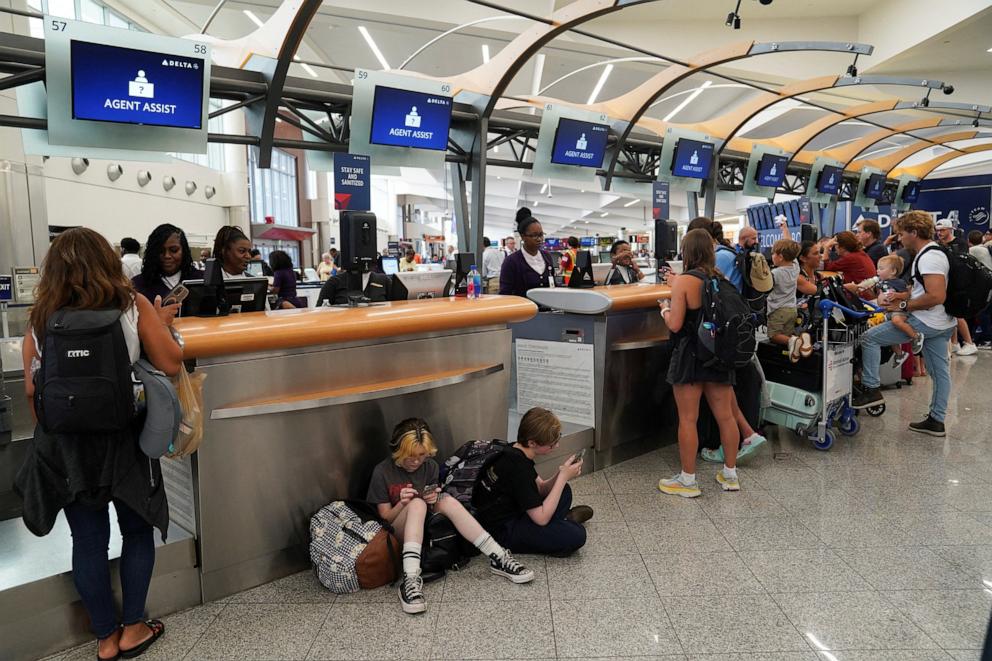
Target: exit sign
(6, 288)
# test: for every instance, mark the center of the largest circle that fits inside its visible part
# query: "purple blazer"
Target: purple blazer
(516, 276)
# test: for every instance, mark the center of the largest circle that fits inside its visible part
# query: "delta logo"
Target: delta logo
(979, 216)
(179, 64)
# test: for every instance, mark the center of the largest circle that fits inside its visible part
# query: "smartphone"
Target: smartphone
(429, 489)
(578, 455)
(177, 295)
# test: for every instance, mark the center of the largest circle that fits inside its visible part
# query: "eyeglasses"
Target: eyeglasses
(534, 236)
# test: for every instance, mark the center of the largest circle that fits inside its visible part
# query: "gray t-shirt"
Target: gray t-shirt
(783, 293)
(388, 480)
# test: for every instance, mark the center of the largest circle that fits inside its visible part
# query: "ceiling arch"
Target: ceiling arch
(889, 162)
(923, 170)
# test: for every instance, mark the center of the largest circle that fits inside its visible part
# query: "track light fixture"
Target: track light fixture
(975, 121)
(925, 101)
(734, 17)
(852, 69)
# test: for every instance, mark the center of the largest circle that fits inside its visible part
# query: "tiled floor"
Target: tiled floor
(878, 550)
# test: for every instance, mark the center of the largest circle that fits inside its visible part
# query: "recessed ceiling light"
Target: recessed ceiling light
(604, 214)
(631, 203)
(251, 16)
(536, 203)
(582, 191)
(485, 53)
(544, 189)
(989, 50)
(607, 70)
(375, 48)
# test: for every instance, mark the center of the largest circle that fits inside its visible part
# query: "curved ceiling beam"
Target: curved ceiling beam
(492, 78)
(616, 60)
(848, 151)
(453, 30)
(235, 53)
(923, 170)
(892, 160)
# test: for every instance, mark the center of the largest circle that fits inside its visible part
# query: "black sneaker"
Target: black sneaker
(929, 426)
(507, 567)
(867, 397)
(412, 594)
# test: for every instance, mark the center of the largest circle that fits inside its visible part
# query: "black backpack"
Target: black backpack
(443, 547)
(756, 300)
(725, 335)
(84, 385)
(969, 283)
(462, 470)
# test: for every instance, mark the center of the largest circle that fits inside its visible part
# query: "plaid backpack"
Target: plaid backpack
(461, 472)
(352, 548)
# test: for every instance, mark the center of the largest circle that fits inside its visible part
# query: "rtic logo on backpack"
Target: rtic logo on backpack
(78, 353)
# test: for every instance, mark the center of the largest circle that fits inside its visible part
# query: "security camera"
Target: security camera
(765, 2)
(948, 89)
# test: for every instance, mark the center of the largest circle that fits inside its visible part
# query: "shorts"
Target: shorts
(782, 322)
(892, 316)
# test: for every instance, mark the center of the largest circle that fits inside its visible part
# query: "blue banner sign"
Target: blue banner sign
(402, 118)
(964, 199)
(660, 192)
(352, 182)
(124, 85)
(580, 143)
(6, 288)
(692, 159)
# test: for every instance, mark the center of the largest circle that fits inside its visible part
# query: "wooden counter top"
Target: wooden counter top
(285, 329)
(631, 297)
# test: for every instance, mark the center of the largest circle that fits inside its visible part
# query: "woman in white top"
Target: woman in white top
(81, 473)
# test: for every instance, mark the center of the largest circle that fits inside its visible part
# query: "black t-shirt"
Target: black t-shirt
(507, 489)
(876, 251)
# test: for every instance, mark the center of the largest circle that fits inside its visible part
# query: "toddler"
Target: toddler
(782, 306)
(404, 487)
(888, 280)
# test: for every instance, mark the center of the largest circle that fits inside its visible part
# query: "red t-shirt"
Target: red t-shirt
(856, 266)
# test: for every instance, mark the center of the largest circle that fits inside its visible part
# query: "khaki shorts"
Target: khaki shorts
(782, 322)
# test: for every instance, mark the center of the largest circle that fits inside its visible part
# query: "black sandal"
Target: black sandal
(116, 656)
(157, 630)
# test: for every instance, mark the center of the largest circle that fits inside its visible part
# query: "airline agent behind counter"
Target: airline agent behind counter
(375, 286)
(530, 267)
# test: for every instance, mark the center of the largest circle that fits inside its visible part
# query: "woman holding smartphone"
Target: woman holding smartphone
(690, 379)
(167, 262)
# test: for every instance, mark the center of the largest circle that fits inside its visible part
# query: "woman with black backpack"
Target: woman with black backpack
(86, 329)
(690, 377)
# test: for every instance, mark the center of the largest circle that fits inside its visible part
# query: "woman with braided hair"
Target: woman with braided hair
(233, 249)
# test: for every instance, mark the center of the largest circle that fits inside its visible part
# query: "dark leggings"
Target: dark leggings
(558, 537)
(90, 528)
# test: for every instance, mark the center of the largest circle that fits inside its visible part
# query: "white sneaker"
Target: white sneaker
(968, 349)
(955, 348)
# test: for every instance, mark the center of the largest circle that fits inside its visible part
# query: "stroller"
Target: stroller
(813, 396)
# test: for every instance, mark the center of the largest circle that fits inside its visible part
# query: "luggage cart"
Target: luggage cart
(813, 414)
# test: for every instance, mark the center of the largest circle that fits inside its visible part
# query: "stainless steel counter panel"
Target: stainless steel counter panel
(261, 476)
(635, 411)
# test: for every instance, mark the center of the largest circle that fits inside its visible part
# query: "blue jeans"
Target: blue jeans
(560, 537)
(90, 528)
(934, 355)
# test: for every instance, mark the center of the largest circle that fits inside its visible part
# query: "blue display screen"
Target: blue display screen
(127, 86)
(875, 186)
(402, 118)
(911, 192)
(587, 241)
(830, 180)
(692, 159)
(580, 143)
(771, 170)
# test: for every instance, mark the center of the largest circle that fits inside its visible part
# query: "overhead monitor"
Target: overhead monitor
(580, 143)
(875, 186)
(413, 285)
(771, 170)
(587, 241)
(129, 86)
(830, 180)
(402, 118)
(911, 192)
(692, 159)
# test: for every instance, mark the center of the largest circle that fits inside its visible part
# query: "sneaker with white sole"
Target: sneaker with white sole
(507, 567)
(805, 345)
(794, 349)
(728, 483)
(715, 456)
(955, 348)
(899, 359)
(918, 344)
(677, 487)
(929, 426)
(411, 591)
(968, 349)
(751, 445)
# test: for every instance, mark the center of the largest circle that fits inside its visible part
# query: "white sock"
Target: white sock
(687, 478)
(411, 558)
(488, 546)
(730, 473)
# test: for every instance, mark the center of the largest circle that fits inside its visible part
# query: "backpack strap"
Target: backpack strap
(916, 262)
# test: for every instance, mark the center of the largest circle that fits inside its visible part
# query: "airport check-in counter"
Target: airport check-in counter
(299, 406)
(612, 338)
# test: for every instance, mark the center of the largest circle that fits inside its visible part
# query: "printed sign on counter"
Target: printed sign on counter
(352, 182)
(558, 376)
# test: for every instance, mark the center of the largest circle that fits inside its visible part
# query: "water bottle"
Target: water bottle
(470, 283)
(476, 281)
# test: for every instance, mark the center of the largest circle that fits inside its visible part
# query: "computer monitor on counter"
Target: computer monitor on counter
(413, 285)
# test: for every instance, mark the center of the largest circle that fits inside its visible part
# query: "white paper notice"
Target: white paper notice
(558, 376)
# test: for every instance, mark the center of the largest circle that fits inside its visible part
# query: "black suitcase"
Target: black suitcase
(748, 391)
(805, 375)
